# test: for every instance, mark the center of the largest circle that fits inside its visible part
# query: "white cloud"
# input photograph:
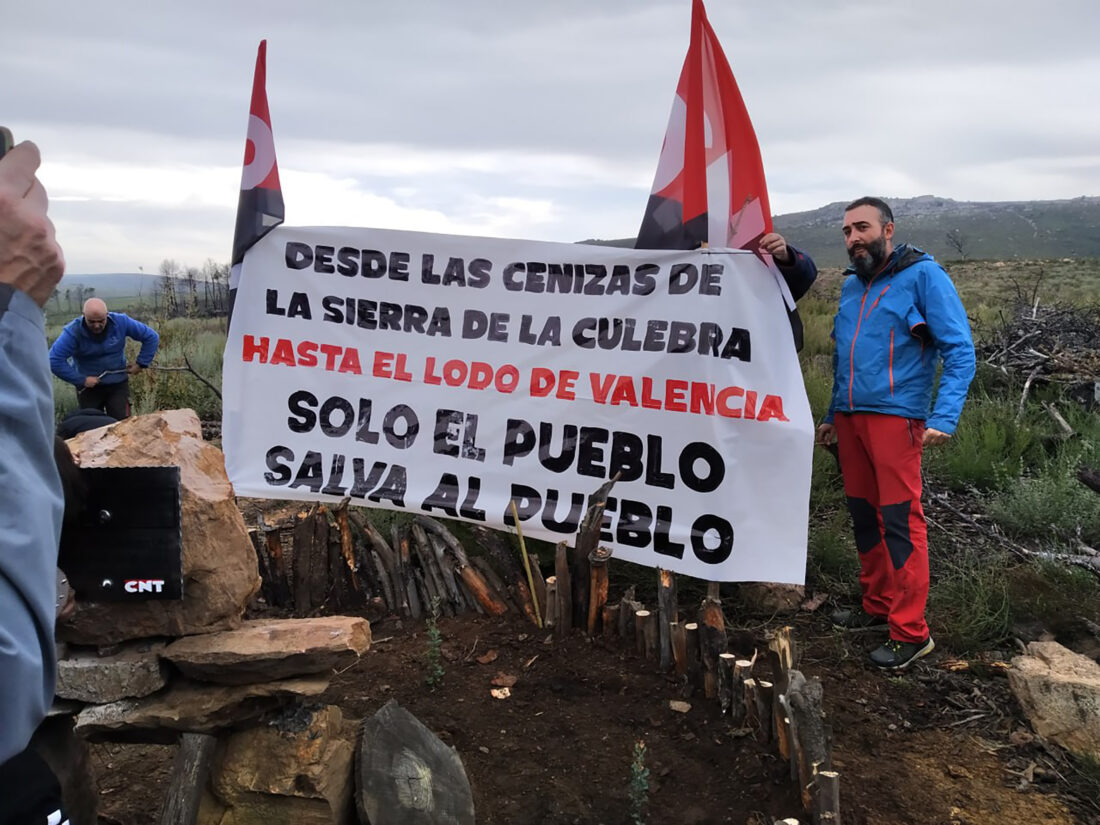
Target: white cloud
(522, 119)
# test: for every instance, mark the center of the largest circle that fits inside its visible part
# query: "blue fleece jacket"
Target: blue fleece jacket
(891, 331)
(78, 353)
(30, 523)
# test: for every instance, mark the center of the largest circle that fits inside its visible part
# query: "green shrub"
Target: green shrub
(969, 605)
(987, 449)
(1055, 594)
(1050, 507)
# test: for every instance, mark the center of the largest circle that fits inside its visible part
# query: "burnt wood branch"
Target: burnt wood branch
(403, 553)
(505, 559)
(628, 608)
(190, 770)
(486, 586)
(432, 574)
(347, 543)
(280, 584)
(712, 642)
(263, 562)
(1090, 478)
(588, 538)
(804, 703)
(388, 558)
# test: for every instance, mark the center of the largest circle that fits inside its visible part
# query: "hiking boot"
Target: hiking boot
(895, 655)
(856, 620)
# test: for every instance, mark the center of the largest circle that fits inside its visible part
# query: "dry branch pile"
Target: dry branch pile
(1055, 343)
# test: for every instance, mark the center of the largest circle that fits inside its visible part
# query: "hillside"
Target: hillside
(111, 285)
(995, 230)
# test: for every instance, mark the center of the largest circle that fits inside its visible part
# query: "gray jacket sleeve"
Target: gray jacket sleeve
(30, 523)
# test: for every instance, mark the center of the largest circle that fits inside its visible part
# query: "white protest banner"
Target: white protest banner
(450, 375)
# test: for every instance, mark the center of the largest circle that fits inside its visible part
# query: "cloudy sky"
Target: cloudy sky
(524, 119)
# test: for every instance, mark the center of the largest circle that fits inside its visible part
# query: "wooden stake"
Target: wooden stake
(627, 609)
(783, 646)
(741, 670)
(640, 617)
(712, 639)
(490, 602)
(827, 798)
(692, 646)
(678, 640)
(597, 586)
(565, 590)
(790, 736)
(610, 619)
(668, 611)
(550, 621)
(724, 675)
(764, 697)
(752, 713)
(649, 629)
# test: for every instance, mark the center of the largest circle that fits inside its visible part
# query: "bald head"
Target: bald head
(95, 314)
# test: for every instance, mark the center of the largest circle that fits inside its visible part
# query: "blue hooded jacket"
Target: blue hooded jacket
(78, 353)
(30, 523)
(891, 331)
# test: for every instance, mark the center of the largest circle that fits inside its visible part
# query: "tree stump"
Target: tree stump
(404, 775)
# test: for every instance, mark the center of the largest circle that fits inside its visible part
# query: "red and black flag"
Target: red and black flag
(710, 185)
(260, 207)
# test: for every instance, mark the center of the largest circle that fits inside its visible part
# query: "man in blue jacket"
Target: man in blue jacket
(31, 264)
(90, 354)
(899, 317)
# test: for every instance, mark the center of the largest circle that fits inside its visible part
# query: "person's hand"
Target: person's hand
(775, 245)
(133, 369)
(91, 381)
(30, 259)
(933, 437)
(825, 435)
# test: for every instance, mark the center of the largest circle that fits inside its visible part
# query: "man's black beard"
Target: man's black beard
(867, 265)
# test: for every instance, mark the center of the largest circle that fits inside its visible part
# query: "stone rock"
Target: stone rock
(265, 650)
(770, 597)
(191, 707)
(296, 769)
(404, 774)
(133, 673)
(220, 572)
(1059, 691)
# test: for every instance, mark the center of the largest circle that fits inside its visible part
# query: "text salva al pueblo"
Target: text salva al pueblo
(582, 451)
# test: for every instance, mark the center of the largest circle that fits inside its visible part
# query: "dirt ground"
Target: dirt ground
(936, 745)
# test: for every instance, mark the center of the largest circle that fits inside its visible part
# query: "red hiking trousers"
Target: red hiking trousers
(880, 459)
